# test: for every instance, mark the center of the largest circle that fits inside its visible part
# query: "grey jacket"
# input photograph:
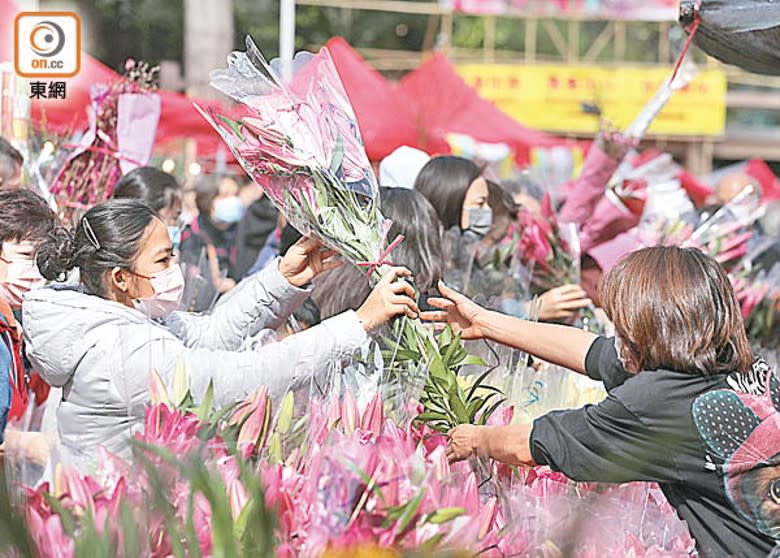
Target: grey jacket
(100, 352)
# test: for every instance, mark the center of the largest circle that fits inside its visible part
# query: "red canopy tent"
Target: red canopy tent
(445, 103)
(385, 115)
(70, 113)
(178, 117)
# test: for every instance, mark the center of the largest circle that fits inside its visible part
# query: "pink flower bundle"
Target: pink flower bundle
(123, 119)
(358, 481)
(725, 234)
(759, 299)
(298, 138)
(549, 248)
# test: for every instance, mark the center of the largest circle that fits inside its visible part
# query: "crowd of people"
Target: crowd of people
(210, 276)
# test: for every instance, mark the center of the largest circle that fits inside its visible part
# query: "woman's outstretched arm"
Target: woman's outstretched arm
(562, 345)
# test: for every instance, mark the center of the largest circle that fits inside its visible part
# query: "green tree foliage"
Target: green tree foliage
(113, 30)
(152, 30)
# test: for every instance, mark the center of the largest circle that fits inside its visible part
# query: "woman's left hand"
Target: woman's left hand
(305, 260)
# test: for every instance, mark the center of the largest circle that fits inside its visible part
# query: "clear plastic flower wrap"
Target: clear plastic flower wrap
(298, 139)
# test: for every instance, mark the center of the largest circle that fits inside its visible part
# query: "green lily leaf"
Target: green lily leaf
(443, 515)
(234, 125)
(284, 420)
(486, 415)
(207, 405)
(409, 512)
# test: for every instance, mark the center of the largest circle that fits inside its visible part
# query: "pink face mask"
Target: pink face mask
(168, 288)
(22, 276)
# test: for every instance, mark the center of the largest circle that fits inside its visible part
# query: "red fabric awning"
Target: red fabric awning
(385, 116)
(178, 118)
(446, 103)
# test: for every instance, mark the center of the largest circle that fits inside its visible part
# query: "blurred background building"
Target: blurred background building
(575, 46)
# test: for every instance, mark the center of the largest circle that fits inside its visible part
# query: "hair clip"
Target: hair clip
(91, 236)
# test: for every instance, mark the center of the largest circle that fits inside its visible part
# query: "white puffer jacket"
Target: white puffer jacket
(100, 352)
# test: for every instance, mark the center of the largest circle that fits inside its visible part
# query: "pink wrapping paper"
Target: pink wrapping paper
(585, 192)
(138, 115)
(610, 218)
(610, 252)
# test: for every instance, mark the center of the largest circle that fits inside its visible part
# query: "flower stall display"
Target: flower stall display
(203, 482)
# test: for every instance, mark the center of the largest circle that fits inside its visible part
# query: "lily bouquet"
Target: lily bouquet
(759, 299)
(298, 138)
(725, 234)
(549, 248)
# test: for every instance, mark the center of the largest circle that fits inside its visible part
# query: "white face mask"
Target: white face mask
(228, 210)
(168, 288)
(23, 276)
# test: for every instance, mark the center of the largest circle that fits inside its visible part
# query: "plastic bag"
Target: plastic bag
(745, 33)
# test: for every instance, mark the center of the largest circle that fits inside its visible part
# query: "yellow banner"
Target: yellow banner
(555, 98)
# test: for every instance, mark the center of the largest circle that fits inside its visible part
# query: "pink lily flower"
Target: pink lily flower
(334, 411)
(373, 415)
(255, 420)
(237, 495)
(349, 413)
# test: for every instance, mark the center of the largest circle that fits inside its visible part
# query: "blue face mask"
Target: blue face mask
(175, 234)
(228, 210)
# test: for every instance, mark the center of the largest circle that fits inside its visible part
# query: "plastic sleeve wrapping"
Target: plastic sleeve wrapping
(589, 188)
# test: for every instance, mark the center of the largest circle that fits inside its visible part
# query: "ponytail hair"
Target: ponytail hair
(109, 235)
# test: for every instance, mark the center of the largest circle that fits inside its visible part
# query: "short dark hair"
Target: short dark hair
(524, 184)
(675, 309)
(10, 160)
(151, 185)
(25, 216)
(445, 181)
(504, 213)
(109, 235)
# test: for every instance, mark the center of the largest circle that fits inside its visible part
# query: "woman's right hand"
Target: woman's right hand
(390, 298)
(562, 303)
(465, 316)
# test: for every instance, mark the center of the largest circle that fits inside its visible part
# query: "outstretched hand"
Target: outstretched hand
(562, 302)
(464, 316)
(305, 260)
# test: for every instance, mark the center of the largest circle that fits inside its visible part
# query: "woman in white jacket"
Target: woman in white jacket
(100, 340)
